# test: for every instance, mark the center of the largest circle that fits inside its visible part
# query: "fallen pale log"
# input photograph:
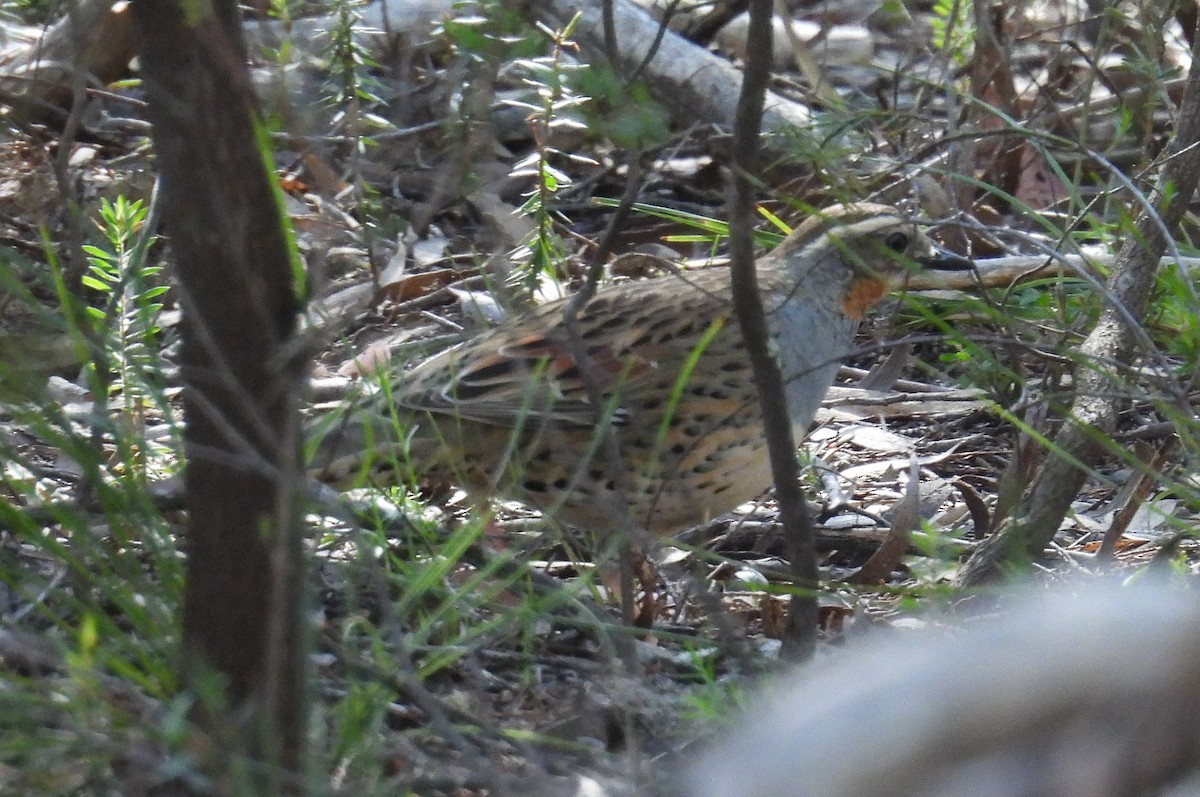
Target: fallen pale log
(691, 81)
(695, 84)
(1002, 272)
(38, 65)
(376, 24)
(999, 272)
(1094, 694)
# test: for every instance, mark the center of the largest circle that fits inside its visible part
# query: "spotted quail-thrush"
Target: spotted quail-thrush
(508, 413)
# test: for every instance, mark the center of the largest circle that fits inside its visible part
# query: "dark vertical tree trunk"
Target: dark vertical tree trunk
(243, 605)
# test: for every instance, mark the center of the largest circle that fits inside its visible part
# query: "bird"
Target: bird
(510, 413)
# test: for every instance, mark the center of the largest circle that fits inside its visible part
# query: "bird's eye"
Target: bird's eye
(896, 241)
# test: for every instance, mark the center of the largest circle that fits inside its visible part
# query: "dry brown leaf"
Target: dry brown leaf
(327, 181)
(374, 358)
(411, 286)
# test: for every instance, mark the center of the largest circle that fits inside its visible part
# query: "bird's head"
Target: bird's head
(864, 250)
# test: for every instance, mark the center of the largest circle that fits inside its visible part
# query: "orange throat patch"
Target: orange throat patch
(861, 296)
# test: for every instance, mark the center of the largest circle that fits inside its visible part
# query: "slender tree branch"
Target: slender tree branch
(800, 635)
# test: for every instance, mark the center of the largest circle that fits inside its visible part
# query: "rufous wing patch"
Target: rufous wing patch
(861, 297)
(608, 366)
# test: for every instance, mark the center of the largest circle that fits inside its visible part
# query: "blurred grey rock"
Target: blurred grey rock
(1093, 694)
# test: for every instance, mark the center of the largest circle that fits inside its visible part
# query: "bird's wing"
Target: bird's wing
(527, 370)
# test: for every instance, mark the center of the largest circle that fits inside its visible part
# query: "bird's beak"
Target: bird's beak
(945, 260)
